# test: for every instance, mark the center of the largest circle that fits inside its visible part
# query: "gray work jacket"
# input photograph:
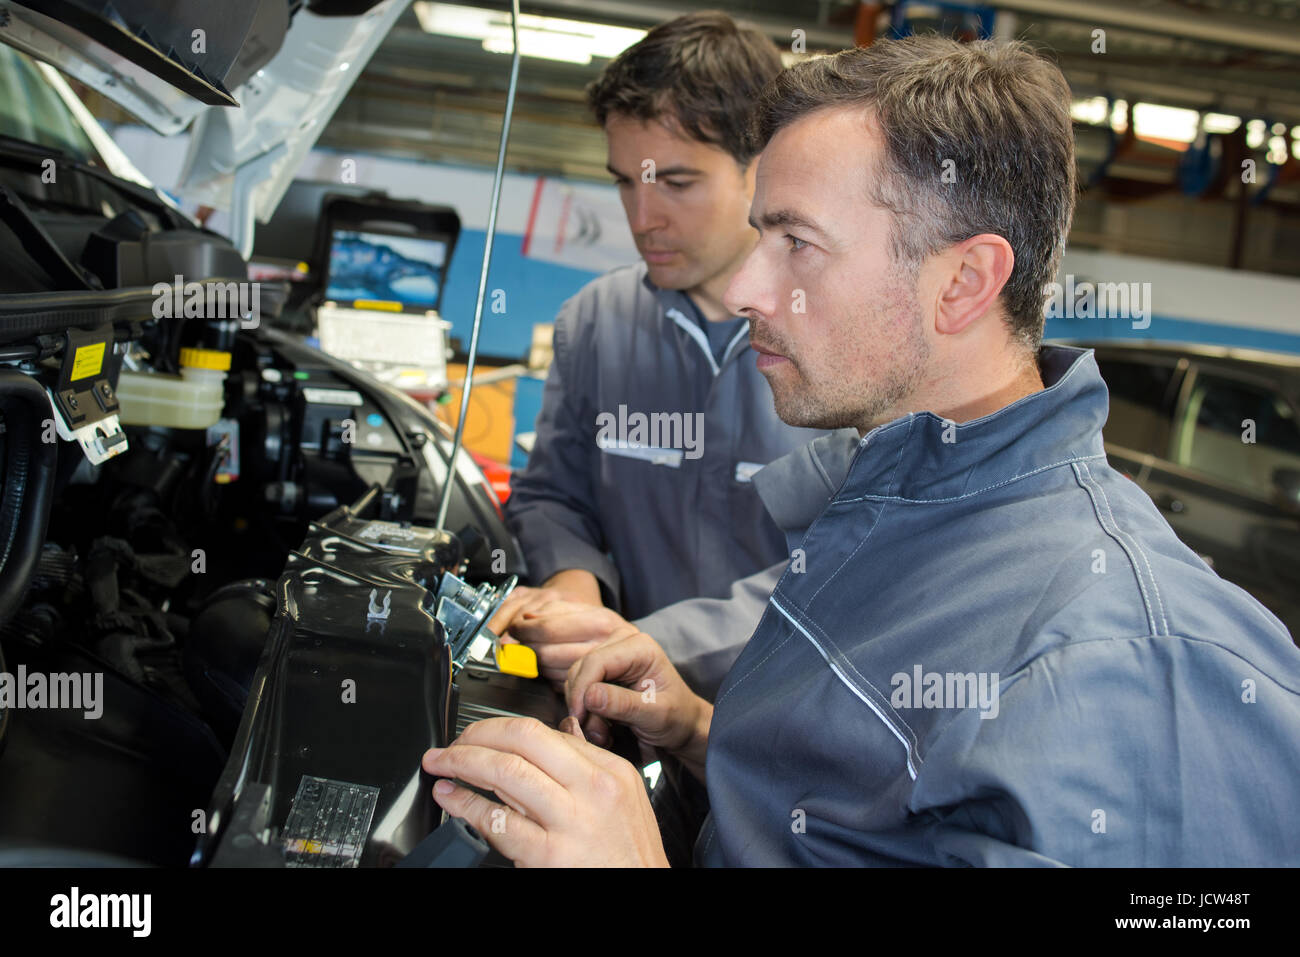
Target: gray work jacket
(668, 513)
(999, 653)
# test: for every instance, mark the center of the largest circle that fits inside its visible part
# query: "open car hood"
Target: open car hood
(243, 160)
(164, 61)
(256, 86)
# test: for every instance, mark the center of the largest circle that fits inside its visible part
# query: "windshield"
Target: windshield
(31, 110)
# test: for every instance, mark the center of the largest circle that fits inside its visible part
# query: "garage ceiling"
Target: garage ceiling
(440, 97)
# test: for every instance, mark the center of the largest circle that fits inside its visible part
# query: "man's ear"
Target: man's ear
(977, 269)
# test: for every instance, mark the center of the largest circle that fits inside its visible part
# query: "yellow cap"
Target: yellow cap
(515, 659)
(205, 359)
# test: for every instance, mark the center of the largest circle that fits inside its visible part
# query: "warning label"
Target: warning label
(88, 361)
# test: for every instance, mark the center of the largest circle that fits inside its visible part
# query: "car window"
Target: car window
(31, 110)
(1139, 404)
(1223, 416)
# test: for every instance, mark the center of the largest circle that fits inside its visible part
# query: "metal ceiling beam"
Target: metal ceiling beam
(1201, 91)
(1168, 21)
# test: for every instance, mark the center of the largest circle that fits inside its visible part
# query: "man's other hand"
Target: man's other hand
(566, 803)
(571, 585)
(561, 632)
(630, 680)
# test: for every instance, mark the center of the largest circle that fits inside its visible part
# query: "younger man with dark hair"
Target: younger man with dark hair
(635, 523)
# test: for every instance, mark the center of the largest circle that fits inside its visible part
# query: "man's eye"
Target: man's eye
(795, 244)
(677, 184)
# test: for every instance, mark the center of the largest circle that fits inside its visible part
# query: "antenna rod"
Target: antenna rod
(487, 261)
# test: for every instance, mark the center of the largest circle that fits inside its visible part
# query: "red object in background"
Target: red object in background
(498, 475)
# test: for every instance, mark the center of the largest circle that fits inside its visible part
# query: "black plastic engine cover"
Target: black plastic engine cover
(354, 685)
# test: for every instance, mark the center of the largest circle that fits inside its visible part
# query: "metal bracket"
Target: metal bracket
(465, 611)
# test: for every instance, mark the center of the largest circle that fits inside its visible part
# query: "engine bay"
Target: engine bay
(264, 610)
(244, 582)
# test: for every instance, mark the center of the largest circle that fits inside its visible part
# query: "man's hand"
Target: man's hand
(571, 585)
(567, 803)
(630, 680)
(561, 632)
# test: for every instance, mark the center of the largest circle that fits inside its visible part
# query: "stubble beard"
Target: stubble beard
(840, 403)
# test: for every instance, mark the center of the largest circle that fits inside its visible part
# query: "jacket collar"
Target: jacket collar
(678, 308)
(921, 457)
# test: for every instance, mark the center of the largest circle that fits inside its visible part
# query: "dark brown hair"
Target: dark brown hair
(978, 140)
(702, 70)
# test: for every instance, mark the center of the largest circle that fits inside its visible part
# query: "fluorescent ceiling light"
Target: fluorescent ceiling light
(1119, 116)
(547, 38)
(1092, 111)
(1256, 131)
(1165, 122)
(1220, 122)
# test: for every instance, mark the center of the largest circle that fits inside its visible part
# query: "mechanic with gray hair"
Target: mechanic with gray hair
(998, 653)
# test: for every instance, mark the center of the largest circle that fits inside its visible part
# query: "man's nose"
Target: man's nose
(748, 290)
(645, 211)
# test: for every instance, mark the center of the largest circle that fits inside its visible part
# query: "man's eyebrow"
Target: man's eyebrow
(784, 218)
(661, 171)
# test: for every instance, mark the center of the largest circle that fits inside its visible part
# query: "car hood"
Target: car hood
(255, 85)
(162, 61)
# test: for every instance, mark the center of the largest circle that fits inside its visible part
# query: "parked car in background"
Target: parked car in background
(1212, 434)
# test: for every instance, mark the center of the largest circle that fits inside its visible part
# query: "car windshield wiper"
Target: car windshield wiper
(32, 148)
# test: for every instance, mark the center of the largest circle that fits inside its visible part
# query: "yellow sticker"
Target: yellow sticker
(87, 361)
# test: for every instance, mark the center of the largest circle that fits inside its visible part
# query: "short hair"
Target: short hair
(993, 115)
(701, 70)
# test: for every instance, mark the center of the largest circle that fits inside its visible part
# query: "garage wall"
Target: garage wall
(554, 235)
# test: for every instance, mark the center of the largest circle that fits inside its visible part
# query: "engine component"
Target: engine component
(354, 684)
(83, 398)
(29, 466)
(225, 643)
(328, 823)
(465, 611)
(192, 400)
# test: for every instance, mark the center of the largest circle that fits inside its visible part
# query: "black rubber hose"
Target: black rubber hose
(28, 477)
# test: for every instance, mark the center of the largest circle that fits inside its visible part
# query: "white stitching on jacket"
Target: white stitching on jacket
(1087, 483)
(1136, 544)
(958, 498)
(911, 768)
(745, 677)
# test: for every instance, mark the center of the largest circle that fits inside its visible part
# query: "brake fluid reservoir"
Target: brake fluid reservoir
(192, 400)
